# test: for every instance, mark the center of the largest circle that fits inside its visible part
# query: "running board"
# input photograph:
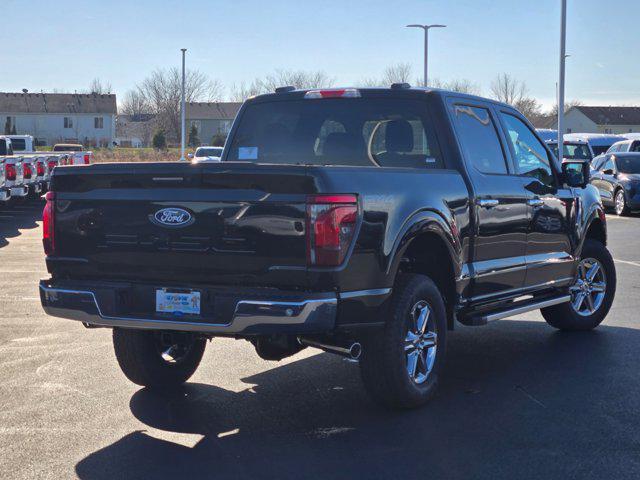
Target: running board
(516, 309)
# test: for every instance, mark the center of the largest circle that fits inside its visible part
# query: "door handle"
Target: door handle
(535, 202)
(487, 202)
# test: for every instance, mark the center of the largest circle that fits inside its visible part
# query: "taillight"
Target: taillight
(26, 171)
(48, 224)
(52, 164)
(40, 169)
(10, 172)
(331, 224)
(86, 159)
(333, 93)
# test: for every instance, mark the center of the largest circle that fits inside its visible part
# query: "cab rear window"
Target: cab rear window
(375, 132)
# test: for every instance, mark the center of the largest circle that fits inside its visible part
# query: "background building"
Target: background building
(582, 119)
(211, 118)
(60, 117)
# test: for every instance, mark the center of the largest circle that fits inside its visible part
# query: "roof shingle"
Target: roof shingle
(612, 115)
(212, 110)
(57, 103)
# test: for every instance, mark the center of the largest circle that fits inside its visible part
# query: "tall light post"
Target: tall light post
(563, 58)
(426, 29)
(182, 109)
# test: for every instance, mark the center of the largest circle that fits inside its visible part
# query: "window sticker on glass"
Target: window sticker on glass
(247, 153)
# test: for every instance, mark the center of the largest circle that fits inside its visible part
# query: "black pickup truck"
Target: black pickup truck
(364, 222)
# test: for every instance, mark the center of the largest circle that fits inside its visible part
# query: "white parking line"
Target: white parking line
(627, 262)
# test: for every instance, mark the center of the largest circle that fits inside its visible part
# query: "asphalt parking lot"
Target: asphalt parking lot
(520, 400)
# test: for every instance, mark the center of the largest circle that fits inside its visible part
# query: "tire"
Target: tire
(565, 316)
(621, 208)
(140, 356)
(385, 362)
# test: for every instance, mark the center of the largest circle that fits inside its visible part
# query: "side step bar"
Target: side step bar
(516, 309)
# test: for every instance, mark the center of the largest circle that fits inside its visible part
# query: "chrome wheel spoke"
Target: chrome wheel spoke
(578, 300)
(598, 287)
(429, 340)
(412, 363)
(592, 272)
(423, 319)
(590, 304)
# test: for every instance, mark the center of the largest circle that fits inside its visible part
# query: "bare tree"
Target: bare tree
(567, 106)
(296, 78)
(162, 93)
(508, 89)
(398, 73)
(134, 104)
(96, 86)
(461, 85)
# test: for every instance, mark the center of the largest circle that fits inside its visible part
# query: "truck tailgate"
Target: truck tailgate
(176, 222)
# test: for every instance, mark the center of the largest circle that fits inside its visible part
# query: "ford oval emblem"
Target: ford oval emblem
(172, 217)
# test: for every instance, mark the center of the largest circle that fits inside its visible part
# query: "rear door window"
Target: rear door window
(374, 132)
(479, 139)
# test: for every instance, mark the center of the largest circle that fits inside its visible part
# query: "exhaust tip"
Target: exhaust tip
(355, 351)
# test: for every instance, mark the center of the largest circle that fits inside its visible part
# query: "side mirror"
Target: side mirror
(576, 173)
(189, 155)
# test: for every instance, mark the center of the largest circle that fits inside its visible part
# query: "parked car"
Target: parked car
(572, 150)
(207, 154)
(13, 170)
(361, 222)
(76, 154)
(5, 191)
(548, 134)
(599, 143)
(625, 146)
(617, 178)
(30, 175)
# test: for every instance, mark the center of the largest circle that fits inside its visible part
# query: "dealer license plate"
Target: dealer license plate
(168, 301)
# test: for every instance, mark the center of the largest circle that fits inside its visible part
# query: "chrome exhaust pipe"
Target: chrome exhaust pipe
(352, 352)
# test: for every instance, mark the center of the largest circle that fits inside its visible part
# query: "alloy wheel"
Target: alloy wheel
(620, 202)
(587, 294)
(421, 343)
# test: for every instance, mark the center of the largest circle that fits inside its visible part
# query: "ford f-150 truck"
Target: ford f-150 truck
(364, 222)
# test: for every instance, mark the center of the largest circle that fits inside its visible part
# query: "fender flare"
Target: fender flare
(426, 221)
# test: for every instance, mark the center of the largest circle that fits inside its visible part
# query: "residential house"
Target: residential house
(135, 130)
(211, 119)
(590, 119)
(60, 117)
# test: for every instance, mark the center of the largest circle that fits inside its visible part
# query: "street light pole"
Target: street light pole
(563, 58)
(182, 109)
(426, 29)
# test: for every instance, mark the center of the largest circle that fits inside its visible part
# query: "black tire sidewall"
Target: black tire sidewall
(384, 359)
(564, 317)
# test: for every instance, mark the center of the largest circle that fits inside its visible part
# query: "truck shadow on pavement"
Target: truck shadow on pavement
(519, 400)
(14, 218)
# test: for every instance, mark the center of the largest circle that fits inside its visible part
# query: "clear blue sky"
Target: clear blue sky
(67, 43)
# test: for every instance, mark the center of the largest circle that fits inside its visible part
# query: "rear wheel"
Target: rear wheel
(591, 295)
(157, 359)
(401, 365)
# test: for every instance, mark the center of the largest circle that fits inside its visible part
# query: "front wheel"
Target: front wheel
(621, 207)
(591, 295)
(157, 359)
(401, 365)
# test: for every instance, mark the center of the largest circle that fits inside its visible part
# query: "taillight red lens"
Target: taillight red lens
(10, 172)
(331, 224)
(48, 224)
(26, 171)
(40, 169)
(52, 164)
(86, 159)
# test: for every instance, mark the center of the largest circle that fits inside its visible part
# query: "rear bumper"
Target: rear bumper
(247, 314)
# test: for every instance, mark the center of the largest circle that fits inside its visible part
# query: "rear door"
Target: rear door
(499, 263)
(552, 211)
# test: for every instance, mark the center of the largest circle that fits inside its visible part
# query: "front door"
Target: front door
(551, 207)
(499, 262)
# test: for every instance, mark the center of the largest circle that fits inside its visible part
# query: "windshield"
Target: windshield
(577, 151)
(599, 150)
(209, 152)
(18, 144)
(630, 164)
(375, 132)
